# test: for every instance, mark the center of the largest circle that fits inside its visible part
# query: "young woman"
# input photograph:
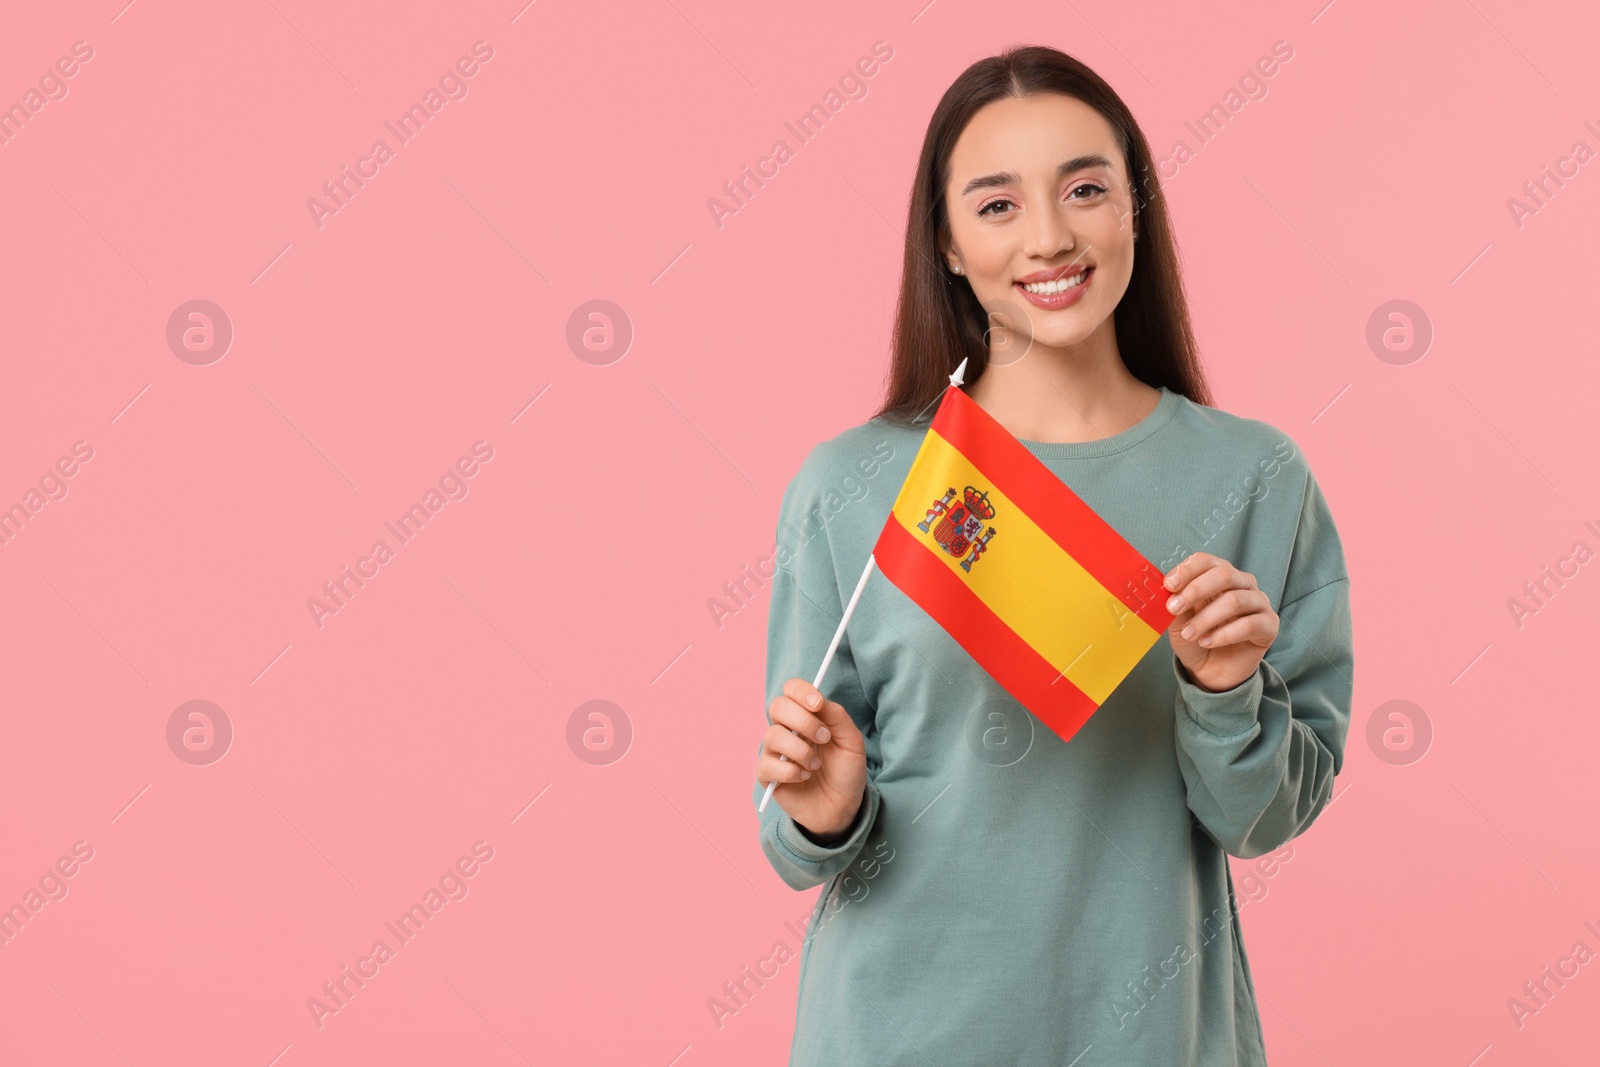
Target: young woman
(998, 896)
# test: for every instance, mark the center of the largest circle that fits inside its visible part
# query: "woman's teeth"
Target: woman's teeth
(1060, 285)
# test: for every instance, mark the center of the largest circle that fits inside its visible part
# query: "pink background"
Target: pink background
(433, 311)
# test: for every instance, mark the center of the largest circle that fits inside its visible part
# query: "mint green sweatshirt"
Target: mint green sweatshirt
(1004, 897)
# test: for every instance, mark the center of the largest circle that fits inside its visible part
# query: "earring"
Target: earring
(956, 269)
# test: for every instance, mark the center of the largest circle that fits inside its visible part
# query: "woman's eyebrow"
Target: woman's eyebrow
(1009, 177)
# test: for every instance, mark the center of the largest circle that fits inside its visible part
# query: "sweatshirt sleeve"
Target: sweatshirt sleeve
(1259, 759)
(799, 628)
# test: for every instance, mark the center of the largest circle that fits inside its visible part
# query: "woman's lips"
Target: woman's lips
(1056, 301)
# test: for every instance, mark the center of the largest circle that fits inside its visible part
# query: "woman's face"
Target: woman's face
(1038, 187)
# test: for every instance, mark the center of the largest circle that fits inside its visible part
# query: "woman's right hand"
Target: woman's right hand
(825, 779)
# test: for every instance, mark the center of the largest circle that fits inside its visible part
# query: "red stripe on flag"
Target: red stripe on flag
(1025, 674)
(1053, 507)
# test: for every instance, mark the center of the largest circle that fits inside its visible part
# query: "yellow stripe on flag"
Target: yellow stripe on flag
(1027, 579)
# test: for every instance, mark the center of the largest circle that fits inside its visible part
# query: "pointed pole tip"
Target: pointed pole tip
(959, 377)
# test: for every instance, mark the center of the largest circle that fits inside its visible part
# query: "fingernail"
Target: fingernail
(812, 701)
(1175, 604)
(823, 733)
(804, 775)
(816, 761)
(1171, 580)
(1204, 642)
(1188, 631)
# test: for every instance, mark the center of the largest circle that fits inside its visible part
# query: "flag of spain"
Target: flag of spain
(1028, 579)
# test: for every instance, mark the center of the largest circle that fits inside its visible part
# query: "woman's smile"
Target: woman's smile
(1065, 290)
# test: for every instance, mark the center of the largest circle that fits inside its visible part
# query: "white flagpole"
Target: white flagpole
(956, 379)
(827, 659)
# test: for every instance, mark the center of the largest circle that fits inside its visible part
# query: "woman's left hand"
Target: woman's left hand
(1223, 623)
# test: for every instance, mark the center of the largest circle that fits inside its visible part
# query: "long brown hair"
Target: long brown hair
(939, 322)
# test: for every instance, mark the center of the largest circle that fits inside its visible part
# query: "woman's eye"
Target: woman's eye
(984, 210)
(1095, 190)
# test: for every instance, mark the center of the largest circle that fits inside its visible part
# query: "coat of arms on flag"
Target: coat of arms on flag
(1040, 590)
(960, 525)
